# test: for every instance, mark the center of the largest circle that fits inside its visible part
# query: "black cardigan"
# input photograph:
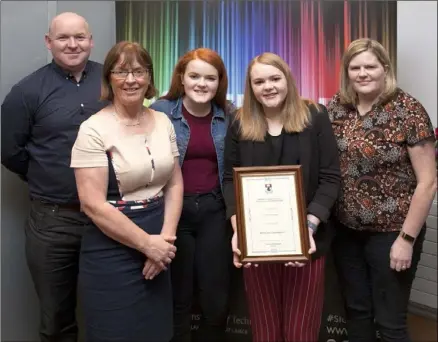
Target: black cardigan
(320, 168)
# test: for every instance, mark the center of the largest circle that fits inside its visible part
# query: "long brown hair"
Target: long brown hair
(209, 56)
(295, 113)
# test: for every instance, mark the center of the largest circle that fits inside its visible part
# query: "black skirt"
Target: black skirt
(117, 302)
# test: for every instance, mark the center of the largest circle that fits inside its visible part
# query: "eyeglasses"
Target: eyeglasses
(122, 74)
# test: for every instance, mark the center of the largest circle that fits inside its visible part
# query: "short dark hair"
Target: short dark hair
(131, 52)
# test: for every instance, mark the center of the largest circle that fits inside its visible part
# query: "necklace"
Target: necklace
(137, 123)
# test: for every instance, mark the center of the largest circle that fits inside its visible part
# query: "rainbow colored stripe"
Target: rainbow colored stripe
(309, 35)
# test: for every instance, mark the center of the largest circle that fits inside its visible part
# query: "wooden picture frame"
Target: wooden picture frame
(271, 214)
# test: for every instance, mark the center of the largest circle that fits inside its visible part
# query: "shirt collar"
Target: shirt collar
(67, 74)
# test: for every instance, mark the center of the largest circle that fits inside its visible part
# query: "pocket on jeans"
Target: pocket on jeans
(36, 213)
(220, 200)
(35, 219)
(41, 216)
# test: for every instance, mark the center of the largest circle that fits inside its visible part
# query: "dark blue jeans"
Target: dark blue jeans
(376, 297)
(202, 265)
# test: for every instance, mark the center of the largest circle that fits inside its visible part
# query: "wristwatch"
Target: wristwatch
(407, 237)
(312, 226)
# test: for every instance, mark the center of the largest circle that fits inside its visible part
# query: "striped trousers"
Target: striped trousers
(285, 303)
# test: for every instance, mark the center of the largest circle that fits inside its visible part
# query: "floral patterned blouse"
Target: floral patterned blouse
(378, 179)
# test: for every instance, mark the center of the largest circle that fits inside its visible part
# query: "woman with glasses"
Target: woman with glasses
(130, 185)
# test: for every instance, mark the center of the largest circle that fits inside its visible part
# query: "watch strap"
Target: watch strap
(407, 237)
(312, 226)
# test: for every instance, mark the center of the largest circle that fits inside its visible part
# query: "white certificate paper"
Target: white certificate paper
(271, 215)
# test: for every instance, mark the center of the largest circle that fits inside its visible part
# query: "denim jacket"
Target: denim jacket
(219, 125)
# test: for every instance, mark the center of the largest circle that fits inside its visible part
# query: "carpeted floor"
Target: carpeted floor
(422, 329)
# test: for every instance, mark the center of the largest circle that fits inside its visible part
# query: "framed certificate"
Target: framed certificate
(271, 214)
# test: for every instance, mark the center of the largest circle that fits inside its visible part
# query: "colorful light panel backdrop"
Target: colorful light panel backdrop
(311, 36)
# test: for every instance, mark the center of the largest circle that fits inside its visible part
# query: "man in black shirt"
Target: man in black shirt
(40, 118)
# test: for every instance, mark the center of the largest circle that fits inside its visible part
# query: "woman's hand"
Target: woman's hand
(151, 269)
(160, 249)
(235, 243)
(235, 246)
(311, 251)
(236, 251)
(400, 255)
(312, 243)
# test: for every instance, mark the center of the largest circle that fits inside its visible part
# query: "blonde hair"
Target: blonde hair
(356, 47)
(295, 113)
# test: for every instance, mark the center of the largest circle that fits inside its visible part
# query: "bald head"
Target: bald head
(68, 19)
(69, 39)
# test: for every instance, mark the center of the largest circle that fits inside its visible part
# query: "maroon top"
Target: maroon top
(199, 168)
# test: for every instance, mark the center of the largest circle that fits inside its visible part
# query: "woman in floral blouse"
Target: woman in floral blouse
(386, 146)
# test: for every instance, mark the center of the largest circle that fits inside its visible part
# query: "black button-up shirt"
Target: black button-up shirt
(40, 119)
